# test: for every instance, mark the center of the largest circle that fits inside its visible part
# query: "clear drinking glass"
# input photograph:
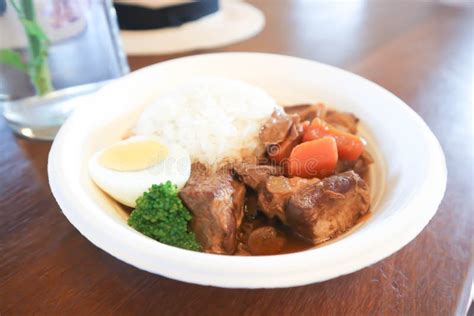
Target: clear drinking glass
(52, 51)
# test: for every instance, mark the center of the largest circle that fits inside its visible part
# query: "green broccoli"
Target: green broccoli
(161, 215)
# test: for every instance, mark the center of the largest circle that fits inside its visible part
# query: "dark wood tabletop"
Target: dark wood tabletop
(422, 51)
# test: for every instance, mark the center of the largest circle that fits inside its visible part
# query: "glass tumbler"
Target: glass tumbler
(51, 52)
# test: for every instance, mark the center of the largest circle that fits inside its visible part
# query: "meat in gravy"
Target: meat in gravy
(216, 201)
(328, 208)
(256, 209)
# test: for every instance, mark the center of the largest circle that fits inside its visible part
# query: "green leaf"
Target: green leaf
(12, 58)
(34, 29)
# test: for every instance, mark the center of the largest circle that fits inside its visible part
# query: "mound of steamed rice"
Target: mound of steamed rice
(214, 119)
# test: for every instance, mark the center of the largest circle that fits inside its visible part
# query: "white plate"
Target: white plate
(409, 174)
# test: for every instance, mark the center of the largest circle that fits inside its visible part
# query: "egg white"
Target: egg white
(127, 186)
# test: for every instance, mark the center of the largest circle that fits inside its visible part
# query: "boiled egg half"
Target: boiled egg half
(128, 168)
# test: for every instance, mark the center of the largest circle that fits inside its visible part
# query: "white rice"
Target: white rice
(212, 118)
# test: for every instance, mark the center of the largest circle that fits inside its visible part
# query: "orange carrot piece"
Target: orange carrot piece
(349, 146)
(316, 158)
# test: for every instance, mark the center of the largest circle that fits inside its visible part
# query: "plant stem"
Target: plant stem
(38, 68)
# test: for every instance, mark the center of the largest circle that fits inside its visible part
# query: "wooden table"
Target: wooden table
(421, 51)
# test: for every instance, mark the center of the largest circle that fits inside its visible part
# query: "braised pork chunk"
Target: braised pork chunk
(253, 175)
(216, 201)
(329, 208)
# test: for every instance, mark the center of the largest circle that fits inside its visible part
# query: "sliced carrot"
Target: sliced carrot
(316, 158)
(317, 129)
(349, 146)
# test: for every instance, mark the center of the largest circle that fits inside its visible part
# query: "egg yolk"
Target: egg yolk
(133, 156)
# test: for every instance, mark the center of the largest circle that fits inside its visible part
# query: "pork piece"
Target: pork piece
(273, 195)
(329, 208)
(279, 153)
(273, 189)
(280, 134)
(252, 175)
(346, 122)
(276, 128)
(307, 112)
(216, 201)
(360, 165)
(266, 240)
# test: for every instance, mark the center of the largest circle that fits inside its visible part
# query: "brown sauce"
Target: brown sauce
(294, 243)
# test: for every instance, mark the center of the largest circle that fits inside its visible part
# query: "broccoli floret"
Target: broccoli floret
(161, 215)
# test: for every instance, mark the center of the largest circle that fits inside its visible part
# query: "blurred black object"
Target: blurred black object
(133, 17)
(3, 6)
